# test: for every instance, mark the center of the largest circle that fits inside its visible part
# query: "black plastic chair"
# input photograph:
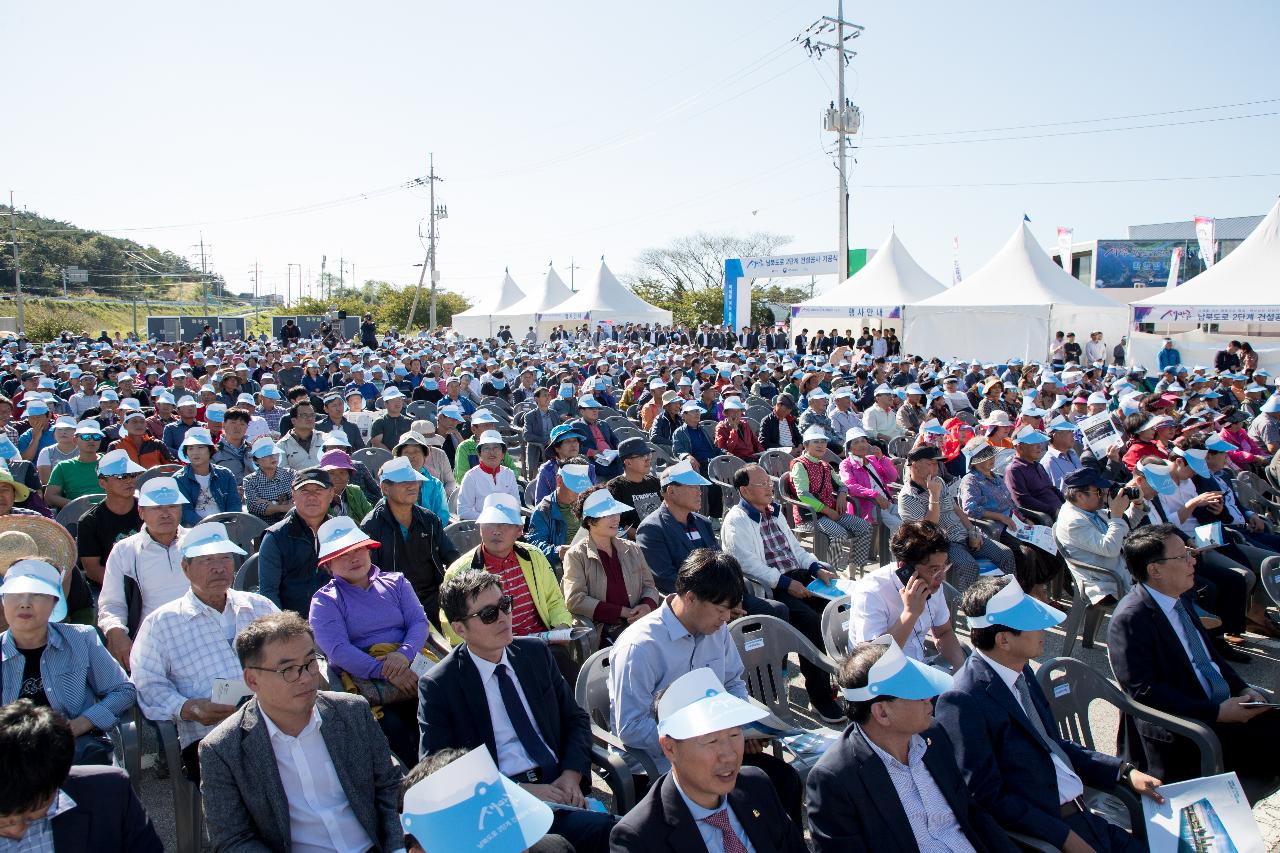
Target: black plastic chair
(373, 457)
(464, 535)
(607, 750)
(242, 528)
(835, 627)
(247, 575)
(1081, 610)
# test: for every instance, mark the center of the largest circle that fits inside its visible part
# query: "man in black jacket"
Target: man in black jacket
(893, 772)
(508, 695)
(424, 552)
(1163, 658)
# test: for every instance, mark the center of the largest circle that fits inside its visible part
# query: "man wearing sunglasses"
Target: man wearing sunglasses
(74, 478)
(295, 766)
(507, 693)
(115, 518)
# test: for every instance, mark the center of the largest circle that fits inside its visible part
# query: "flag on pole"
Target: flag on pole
(1064, 247)
(1206, 231)
(1175, 267)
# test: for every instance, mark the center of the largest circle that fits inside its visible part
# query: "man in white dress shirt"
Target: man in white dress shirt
(296, 768)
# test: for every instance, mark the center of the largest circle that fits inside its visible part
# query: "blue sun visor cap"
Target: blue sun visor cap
(601, 504)
(897, 676)
(1219, 444)
(683, 474)
(160, 491)
(1196, 459)
(588, 402)
(1013, 608)
(454, 412)
(577, 478)
(1272, 405)
(1158, 475)
(399, 470)
(117, 463)
(39, 577)
(208, 538)
(483, 416)
(1029, 435)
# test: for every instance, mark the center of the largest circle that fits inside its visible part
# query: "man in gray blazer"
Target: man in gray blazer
(294, 765)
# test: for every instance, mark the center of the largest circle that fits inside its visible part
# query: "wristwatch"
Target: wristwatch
(1126, 773)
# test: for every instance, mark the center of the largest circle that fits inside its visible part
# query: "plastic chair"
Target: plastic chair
(465, 535)
(765, 643)
(1258, 495)
(373, 457)
(1081, 610)
(247, 575)
(900, 446)
(1072, 686)
(618, 421)
(242, 528)
(776, 462)
(786, 493)
(607, 750)
(69, 516)
(709, 430)
(835, 627)
(126, 748)
(1269, 572)
(187, 812)
(623, 433)
(75, 510)
(720, 471)
(758, 412)
(529, 489)
(421, 410)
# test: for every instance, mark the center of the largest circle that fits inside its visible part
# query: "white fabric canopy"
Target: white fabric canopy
(1010, 308)
(1242, 287)
(890, 280)
(605, 300)
(483, 319)
(539, 300)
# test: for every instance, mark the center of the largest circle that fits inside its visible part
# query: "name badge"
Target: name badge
(694, 536)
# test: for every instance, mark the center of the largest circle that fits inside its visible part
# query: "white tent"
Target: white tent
(539, 300)
(482, 319)
(1011, 308)
(1244, 287)
(890, 280)
(605, 300)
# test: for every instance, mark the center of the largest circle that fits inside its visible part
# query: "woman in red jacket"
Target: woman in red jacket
(734, 435)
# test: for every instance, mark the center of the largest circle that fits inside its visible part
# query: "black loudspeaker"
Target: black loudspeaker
(342, 315)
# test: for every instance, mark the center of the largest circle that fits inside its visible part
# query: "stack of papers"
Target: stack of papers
(837, 588)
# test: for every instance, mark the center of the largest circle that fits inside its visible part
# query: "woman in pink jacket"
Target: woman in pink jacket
(1250, 453)
(868, 472)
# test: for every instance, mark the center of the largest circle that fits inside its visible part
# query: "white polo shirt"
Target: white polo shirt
(875, 605)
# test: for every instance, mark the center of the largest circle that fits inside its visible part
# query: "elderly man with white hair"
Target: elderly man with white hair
(185, 647)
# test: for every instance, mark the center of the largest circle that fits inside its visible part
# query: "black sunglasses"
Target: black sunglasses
(489, 615)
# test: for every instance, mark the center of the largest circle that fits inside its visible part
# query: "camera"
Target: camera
(1131, 492)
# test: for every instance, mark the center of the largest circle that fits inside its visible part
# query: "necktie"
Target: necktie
(1033, 714)
(548, 767)
(1218, 689)
(720, 820)
(1098, 521)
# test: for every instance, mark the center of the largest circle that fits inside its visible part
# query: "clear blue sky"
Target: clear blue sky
(574, 129)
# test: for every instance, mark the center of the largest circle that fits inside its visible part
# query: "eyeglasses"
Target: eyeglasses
(489, 615)
(290, 674)
(1186, 554)
(119, 476)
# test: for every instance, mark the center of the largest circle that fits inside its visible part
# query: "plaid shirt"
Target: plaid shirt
(259, 491)
(39, 834)
(777, 552)
(181, 648)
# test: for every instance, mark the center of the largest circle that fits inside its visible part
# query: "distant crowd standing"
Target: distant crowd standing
(401, 550)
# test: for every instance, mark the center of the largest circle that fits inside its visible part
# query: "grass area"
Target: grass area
(45, 318)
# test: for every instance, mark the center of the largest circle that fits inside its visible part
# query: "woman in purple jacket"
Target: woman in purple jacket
(371, 627)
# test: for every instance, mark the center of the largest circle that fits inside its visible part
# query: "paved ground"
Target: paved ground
(1264, 671)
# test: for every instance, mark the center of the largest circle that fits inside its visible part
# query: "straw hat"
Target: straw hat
(51, 540)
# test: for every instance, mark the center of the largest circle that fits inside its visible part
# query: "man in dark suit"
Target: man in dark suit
(708, 801)
(295, 765)
(893, 746)
(46, 804)
(750, 338)
(1163, 657)
(802, 341)
(1017, 767)
(508, 695)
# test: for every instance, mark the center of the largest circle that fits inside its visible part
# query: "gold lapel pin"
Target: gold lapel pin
(755, 812)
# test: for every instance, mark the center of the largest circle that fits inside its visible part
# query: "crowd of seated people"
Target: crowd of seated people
(427, 568)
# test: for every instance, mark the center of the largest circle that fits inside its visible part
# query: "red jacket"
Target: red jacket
(741, 442)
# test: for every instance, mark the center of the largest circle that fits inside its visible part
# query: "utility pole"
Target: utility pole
(429, 267)
(17, 270)
(204, 271)
(841, 116)
(288, 286)
(342, 274)
(328, 285)
(572, 268)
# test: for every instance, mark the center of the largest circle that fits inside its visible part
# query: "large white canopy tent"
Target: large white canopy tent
(1242, 288)
(605, 300)
(539, 300)
(874, 294)
(1011, 308)
(483, 319)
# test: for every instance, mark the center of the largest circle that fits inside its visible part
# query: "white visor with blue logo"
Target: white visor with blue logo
(897, 676)
(1013, 608)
